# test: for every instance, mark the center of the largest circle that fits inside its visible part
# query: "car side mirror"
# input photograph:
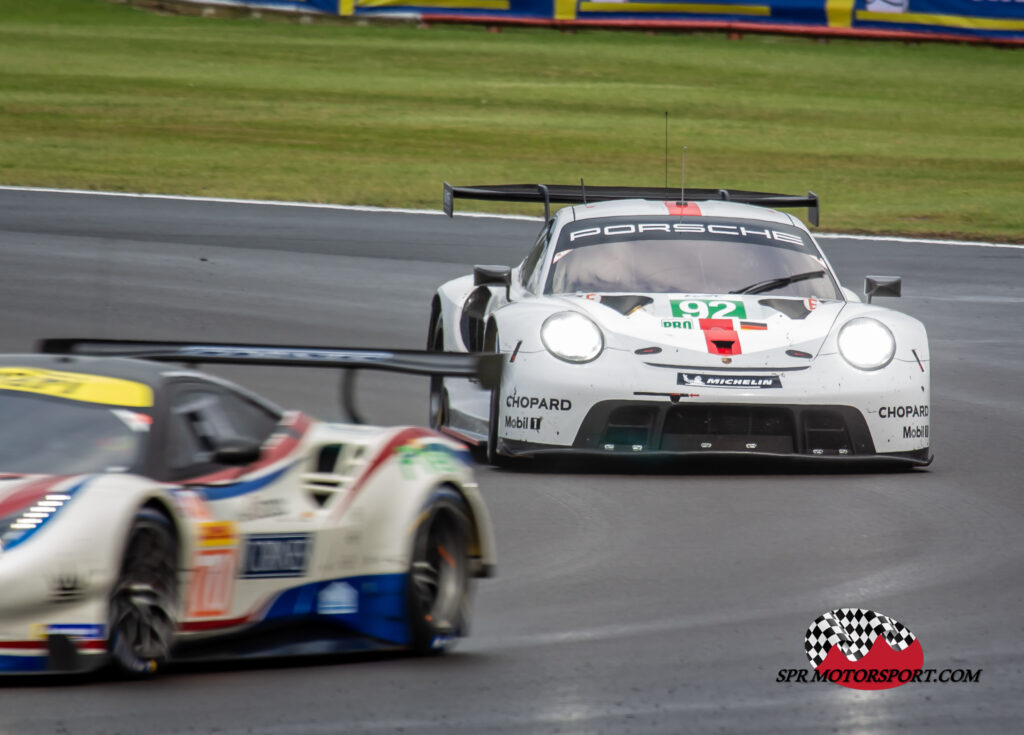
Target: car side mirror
(237, 450)
(493, 275)
(882, 286)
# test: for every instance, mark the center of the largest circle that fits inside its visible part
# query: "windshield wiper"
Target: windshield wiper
(773, 283)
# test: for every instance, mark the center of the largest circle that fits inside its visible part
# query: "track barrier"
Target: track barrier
(988, 21)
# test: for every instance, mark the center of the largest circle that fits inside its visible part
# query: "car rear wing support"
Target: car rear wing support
(485, 368)
(571, 194)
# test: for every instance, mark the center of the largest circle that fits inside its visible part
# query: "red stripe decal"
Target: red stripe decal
(398, 440)
(720, 337)
(24, 645)
(42, 645)
(685, 208)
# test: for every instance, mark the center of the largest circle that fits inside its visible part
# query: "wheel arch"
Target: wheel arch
(161, 506)
(481, 546)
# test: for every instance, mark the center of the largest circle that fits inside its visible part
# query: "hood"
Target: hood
(752, 330)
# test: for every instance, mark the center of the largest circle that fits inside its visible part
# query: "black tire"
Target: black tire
(438, 395)
(145, 597)
(439, 586)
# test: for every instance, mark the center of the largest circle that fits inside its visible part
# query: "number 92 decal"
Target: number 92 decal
(708, 308)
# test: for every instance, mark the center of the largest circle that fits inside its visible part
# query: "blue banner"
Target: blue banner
(982, 20)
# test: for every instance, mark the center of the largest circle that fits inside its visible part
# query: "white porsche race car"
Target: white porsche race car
(640, 324)
(150, 512)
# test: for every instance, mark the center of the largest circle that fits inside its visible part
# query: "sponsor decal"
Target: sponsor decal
(678, 324)
(861, 649)
(915, 432)
(708, 308)
(264, 508)
(284, 555)
(213, 570)
(811, 304)
(76, 386)
(683, 228)
(919, 411)
(523, 423)
(213, 583)
(337, 598)
(431, 458)
(706, 380)
(514, 400)
(218, 534)
(77, 631)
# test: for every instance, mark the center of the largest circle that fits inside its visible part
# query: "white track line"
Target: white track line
(265, 202)
(398, 210)
(916, 240)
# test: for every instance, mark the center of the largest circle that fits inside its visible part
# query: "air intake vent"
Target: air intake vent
(321, 498)
(629, 426)
(328, 457)
(336, 467)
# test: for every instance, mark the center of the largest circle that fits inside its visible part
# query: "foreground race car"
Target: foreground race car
(150, 512)
(640, 324)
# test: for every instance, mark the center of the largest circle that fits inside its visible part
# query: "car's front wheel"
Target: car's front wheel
(145, 596)
(438, 587)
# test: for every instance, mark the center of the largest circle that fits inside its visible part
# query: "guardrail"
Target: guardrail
(989, 21)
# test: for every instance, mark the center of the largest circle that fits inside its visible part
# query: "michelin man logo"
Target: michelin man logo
(337, 598)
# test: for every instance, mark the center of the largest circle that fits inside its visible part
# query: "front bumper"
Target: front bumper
(621, 404)
(671, 429)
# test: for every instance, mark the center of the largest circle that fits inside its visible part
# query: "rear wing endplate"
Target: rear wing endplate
(550, 194)
(486, 368)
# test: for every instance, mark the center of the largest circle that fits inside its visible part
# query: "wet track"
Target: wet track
(623, 602)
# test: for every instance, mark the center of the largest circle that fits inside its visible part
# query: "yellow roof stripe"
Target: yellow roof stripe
(77, 386)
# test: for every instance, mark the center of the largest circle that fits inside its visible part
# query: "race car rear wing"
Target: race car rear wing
(563, 194)
(486, 368)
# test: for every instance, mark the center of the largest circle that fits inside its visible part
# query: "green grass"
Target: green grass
(895, 138)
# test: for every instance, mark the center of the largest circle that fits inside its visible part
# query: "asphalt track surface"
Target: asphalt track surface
(653, 603)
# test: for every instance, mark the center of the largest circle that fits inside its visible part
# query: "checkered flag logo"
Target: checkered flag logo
(854, 630)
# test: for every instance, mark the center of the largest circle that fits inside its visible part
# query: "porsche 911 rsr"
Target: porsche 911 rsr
(639, 324)
(150, 512)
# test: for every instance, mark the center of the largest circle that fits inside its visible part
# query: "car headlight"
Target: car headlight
(867, 344)
(570, 336)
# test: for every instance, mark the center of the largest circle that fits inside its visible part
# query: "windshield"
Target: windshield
(52, 436)
(681, 255)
